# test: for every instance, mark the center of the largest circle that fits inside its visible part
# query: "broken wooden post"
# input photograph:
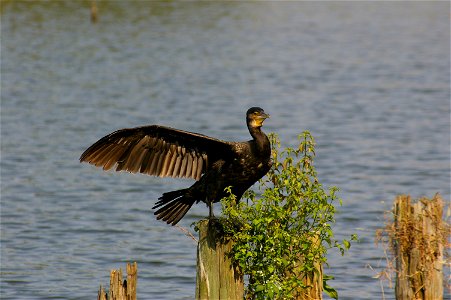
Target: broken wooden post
(417, 239)
(119, 290)
(94, 11)
(217, 277)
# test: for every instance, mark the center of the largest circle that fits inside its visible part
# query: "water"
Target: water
(369, 80)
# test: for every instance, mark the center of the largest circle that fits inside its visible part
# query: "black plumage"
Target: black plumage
(168, 152)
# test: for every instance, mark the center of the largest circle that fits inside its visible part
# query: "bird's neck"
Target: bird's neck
(261, 140)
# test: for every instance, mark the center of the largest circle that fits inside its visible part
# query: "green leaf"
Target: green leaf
(270, 268)
(259, 288)
(330, 291)
(347, 244)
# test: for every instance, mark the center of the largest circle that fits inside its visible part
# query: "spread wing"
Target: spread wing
(157, 150)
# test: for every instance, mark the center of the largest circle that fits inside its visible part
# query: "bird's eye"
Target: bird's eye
(255, 112)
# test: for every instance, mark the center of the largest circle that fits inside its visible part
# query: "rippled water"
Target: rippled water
(369, 80)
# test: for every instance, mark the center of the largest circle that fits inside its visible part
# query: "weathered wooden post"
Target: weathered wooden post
(94, 11)
(314, 283)
(313, 280)
(119, 290)
(417, 237)
(217, 278)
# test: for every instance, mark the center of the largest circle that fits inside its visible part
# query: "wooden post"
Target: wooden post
(217, 278)
(313, 280)
(417, 237)
(94, 11)
(121, 290)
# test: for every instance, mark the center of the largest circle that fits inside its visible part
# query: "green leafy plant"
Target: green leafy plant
(282, 236)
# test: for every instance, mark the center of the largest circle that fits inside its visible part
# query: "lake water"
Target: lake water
(369, 80)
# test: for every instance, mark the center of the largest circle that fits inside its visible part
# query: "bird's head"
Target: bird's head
(255, 117)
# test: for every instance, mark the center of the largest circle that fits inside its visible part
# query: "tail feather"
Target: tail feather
(177, 213)
(173, 206)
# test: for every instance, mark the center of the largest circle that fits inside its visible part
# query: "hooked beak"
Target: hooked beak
(264, 116)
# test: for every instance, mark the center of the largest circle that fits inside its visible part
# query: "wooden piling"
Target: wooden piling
(417, 239)
(217, 277)
(312, 280)
(119, 290)
(94, 11)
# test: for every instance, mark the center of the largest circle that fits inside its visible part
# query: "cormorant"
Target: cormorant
(167, 152)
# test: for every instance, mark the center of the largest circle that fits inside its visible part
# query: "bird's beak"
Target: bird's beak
(265, 116)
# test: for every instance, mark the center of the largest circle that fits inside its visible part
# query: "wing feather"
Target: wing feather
(115, 154)
(157, 150)
(153, 167)
(183, 167)
(171, 165)
(200, 161)
(168, 160)
(159, 163)
(177, 165)
(101, 155)
(194, 168)
(189, 165)
(133, 163)
(145, 164)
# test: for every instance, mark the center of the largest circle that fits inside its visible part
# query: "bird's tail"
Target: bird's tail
(173, 206)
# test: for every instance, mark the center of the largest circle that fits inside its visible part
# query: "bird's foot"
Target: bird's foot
(211, 215)
(212, 219)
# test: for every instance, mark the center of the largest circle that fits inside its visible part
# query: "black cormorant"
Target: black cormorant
(168, 152)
